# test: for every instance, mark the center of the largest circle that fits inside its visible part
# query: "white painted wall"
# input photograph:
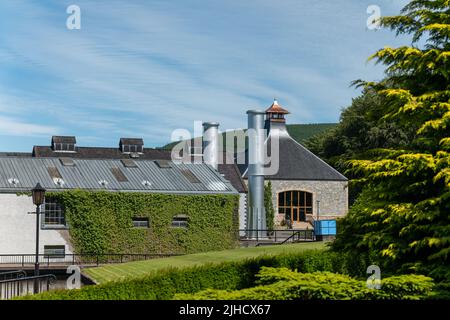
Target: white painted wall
(17, 227)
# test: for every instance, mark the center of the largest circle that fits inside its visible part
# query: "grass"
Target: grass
(115, 272)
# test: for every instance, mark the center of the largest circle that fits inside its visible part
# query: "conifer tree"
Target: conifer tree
(402, 218)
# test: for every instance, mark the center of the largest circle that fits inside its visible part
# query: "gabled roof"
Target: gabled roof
(132, 141)
(298, 163)
(22, 174)
(232, 174)
(64, 139)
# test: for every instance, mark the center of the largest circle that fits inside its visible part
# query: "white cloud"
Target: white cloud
(13, 127)
(150, 67)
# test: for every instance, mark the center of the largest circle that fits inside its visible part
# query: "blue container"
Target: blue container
(325, 227)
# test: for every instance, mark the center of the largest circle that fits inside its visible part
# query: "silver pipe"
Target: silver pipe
(256, 212)
(211, 143)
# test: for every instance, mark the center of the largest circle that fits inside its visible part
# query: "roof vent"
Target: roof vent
(134, 155)
(58, 181)
(13, 181)
(146, 183)
(64, 143)
(131, 145)
(103, 183)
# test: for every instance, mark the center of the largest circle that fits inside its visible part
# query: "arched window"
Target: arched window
(295, 205)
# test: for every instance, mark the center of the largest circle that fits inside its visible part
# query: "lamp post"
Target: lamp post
(38, 194)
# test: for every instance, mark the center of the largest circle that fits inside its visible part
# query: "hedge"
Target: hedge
(101, 222)
(228, 276)
(285, 284)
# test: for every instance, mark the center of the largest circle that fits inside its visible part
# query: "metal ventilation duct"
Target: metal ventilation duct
(256, 212)
(211, 143)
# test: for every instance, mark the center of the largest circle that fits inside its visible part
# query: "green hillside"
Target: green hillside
(303, 132)
(300, 132)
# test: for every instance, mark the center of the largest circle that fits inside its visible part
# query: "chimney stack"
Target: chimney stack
(256, 215)
(211, 143)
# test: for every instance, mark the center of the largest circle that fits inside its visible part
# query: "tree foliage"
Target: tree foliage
(285, 284)
(403, 214)
(268, 204)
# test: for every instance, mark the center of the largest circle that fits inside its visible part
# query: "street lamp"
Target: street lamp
(38, 194)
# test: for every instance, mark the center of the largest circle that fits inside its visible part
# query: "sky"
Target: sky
(143, 68)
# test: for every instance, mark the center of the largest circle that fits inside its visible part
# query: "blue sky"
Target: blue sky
(145, 68)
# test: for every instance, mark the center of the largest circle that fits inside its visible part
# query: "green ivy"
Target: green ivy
(101, 222)
(268, 204)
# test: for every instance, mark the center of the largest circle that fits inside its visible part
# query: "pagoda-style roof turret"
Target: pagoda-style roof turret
(276, 113)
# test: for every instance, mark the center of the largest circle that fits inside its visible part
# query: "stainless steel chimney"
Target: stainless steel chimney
(211, 143)
(256, 213)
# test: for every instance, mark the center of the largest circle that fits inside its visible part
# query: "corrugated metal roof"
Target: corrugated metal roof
(147, 176)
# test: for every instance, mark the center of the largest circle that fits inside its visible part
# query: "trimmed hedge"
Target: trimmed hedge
(101, 222)
(228, 276)
(284, 284)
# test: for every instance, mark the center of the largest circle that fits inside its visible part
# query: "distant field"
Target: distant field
(139, 268)
(300, 132)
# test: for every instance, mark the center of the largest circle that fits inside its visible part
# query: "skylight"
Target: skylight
(119, 175)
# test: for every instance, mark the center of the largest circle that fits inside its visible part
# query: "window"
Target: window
(141, 223)
(119, 175)
(64, 147)
(192, 178)
(64, 143)
(54, 251)
(180, 221)
(295, 205)
(131, 146)
(53, 213)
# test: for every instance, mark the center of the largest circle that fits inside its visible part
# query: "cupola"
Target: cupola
(275, 113)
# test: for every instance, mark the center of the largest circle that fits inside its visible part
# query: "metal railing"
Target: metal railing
(23, 286)
(12, 275)
(85, 259)
(278, 236)
(301, 235)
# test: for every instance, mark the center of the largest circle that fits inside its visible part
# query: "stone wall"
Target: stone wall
(333, 196)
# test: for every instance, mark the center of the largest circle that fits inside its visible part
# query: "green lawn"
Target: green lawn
(139, 268)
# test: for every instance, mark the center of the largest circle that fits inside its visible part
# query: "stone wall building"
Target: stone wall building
(305, 188)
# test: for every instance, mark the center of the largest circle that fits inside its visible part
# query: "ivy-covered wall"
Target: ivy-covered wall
(101, 222)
